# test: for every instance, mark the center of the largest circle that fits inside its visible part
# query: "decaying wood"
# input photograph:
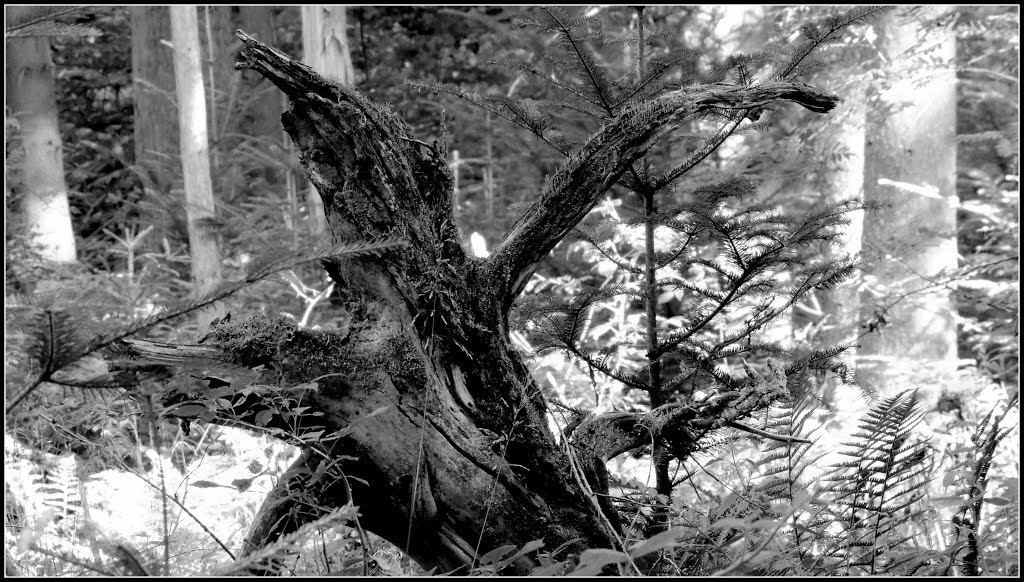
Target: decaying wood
(455, 457)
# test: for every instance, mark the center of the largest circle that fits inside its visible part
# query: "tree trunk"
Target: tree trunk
(156, 122)
(216, 27)
(31, 98)
(841, 305)
(325, 48)
(420, 410)
(910, 163)
(195, 156)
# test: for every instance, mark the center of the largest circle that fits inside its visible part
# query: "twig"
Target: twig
(70, 559)
(313, 303)
(996, 74)
(189, 513)
(154, 430)
(363, 541)
(420, 143)
(768, 435)
(577, 472)
(935, 282)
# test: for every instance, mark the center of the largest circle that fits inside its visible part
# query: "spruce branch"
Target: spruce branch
(764, 434)
(574, 190)
(554, 20)
(42, 21)
(819, 36)
(553, 80)
(55, 354)
(782, 73)
(516, 110)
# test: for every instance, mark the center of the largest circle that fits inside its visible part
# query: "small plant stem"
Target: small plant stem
(312, 303)
(69, 558)
(659, 453)
(768, 435)
(577, 471)
(188, 513)
(154, 431)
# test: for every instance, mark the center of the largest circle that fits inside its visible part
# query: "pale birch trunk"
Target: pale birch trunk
(31, 98)
(199, 201)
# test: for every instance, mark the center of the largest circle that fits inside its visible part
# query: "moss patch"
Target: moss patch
(272, 340)
(255, 341)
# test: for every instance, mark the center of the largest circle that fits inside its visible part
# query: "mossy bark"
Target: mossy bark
(424, 474)
(460, 460)
(420, 411)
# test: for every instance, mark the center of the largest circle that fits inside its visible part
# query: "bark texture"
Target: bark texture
(420, 410)
(325, 48)
(31, 98)
(195, 157)
(156, 127)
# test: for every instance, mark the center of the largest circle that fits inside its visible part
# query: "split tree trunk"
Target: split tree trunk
(444, 444)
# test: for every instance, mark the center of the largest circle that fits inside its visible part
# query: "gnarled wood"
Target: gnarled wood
(425, 416)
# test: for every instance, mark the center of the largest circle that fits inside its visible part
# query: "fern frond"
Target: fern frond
(785, 462)
(879, 488)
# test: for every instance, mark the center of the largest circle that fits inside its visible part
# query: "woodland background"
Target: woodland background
(98, 225)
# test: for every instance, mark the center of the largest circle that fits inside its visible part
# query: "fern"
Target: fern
(45, 497)
(967, 521)
(877, 493)
(58, 484)
(784, 463)
(783, 471)
(861, 519)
